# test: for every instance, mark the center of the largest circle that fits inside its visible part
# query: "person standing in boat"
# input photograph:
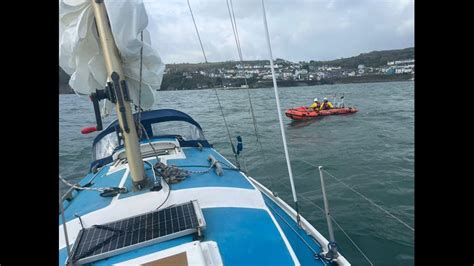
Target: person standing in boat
(326, 105)
(316, 104)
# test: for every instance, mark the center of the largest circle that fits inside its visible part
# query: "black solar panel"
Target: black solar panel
(102, 241)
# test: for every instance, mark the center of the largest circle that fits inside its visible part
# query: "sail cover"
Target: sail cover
(81, 57)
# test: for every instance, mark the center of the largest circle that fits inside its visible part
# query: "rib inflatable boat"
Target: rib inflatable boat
(303, 113)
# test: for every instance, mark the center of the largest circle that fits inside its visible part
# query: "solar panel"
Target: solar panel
(106, 240)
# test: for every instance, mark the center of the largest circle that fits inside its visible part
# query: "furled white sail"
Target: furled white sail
(81, 57)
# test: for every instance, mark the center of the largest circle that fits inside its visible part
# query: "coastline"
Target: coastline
(65, 89)
(333, 81)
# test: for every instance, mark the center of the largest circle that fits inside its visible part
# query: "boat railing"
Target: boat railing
(330, 218)
(332, 247)
(378, 206)
(323, 173)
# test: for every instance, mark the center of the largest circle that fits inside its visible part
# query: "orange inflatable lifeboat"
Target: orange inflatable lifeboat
(303, 113)
(338, 111)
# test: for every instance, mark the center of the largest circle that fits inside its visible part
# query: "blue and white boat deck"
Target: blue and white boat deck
(245, 223)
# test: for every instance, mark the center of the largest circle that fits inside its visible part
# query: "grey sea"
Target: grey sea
(371, 151)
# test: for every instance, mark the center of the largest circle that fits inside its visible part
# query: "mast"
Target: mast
(116, 79)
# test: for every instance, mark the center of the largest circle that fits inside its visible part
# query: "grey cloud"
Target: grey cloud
(299, 30)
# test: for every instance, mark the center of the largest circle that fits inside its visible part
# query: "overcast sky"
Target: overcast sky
(299, 29)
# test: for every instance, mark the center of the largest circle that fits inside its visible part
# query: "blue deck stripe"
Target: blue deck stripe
(85, 202)
(62, 256)
(88, 201)
(194, 157)
(244, 237)
(304, 254)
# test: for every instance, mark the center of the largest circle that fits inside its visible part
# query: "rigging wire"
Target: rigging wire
(352, 241)
(277, 100)
(234, 29)
(139, 116)
(215, 90)
(197, 32)
(340, 227)
(373, 203)
(227, 129)
(364, 197)
(233, 22)
(337, 224)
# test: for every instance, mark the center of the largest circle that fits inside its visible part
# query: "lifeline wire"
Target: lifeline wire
(364, 197)
(337, 224)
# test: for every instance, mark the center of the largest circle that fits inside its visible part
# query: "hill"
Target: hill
(188, 75)
(372, 59)
(63, 83)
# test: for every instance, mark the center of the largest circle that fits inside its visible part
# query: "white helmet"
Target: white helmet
(315, 99)
(325, 99)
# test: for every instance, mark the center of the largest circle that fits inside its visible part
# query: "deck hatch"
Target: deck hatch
(106, 240)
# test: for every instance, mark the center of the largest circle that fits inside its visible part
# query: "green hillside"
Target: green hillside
(372, 59)
(174, 77)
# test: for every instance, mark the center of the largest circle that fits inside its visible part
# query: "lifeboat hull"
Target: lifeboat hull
(303, 113)
(338, 111)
